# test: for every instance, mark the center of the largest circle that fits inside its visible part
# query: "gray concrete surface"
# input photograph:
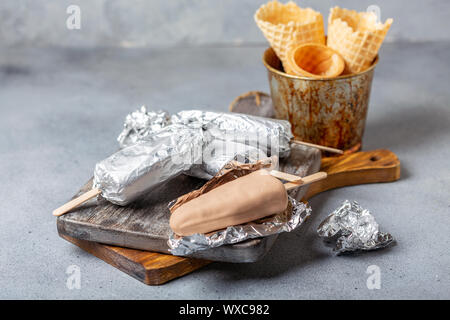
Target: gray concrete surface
(150, 23)
(62, 109)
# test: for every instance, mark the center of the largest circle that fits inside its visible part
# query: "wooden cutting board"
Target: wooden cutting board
(144, 224)
(156, 268)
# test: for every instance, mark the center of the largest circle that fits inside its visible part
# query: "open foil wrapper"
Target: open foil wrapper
(294, 215)
(354, 229)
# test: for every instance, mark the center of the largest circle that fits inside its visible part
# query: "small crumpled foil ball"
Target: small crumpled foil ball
(354, 229)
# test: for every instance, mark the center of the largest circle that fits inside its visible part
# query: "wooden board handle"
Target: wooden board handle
(76, 202)
(357, 168)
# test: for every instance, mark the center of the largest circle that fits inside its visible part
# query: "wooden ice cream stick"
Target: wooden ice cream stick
(306, 180)
(329, 149)
(76, 202)
(285, 176)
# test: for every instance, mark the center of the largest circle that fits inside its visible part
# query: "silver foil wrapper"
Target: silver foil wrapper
(185, 246)
(157, 147)
(269, 135)
(302, 161)
(141, 167)
(217, 153)
(141, 124)
(224, 136)
(354, 229)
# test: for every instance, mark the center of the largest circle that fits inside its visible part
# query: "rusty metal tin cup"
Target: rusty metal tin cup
(330, 112)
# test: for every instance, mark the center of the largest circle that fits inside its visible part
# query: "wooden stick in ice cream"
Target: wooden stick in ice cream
(317, 146)
(76, 202)
(248, 198)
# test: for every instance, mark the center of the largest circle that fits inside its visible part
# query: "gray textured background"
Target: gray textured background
(64, 95)
(156, 23)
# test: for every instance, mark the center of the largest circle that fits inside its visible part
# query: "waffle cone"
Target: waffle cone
(286, 25)
(356, 36)
(315, 61)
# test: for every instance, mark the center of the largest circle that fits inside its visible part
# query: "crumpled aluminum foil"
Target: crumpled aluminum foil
(185, 246)
(270, 135)
(140, 168)
(355, 229)
(225, 136)
(141, 124)
(217, 153)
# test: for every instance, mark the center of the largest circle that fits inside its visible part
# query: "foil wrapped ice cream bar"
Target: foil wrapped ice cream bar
(140, 168)
(156, 147)
(353, 228)
(269, 135)
(225, 136)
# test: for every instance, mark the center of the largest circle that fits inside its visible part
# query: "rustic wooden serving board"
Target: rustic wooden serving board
(156, 268)
(144, 224)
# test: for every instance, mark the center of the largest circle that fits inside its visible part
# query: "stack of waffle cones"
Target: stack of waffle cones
(356, 37)
(287, 25)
